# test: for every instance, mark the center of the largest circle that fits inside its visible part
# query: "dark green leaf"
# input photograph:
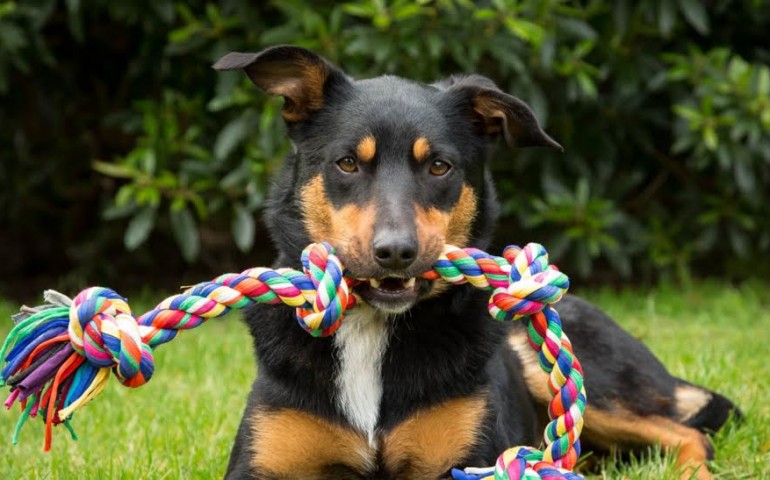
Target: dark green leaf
(113, 169)
(12, 38)
(406, 11)
(666, 16)
(360, 9)
(230, 136)
(484, 14)
(185, 233)
(739, 241)
(621, 14)
(577, 28)
(236, 176)
(582, 259)
(696, 15)
(243, 227)
(6, 8)
(116, 211)
(75, 19)
(164, 10)
(139, 228)
(280, 34)
(745, 178)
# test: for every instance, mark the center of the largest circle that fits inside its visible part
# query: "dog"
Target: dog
(418, 379)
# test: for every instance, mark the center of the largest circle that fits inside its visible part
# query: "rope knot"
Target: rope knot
(102, 329)
(332, 294)
(534, 284)
(525, 463)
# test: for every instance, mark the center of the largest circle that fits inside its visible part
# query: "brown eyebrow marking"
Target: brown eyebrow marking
(366, 148)
(421, 149)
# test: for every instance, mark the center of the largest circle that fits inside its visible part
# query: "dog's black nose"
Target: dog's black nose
(394, 251)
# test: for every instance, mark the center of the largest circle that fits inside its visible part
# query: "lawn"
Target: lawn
(182, 423)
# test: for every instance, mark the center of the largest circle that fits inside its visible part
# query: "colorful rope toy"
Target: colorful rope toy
(61, 355)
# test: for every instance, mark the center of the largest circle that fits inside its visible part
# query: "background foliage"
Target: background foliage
(110, 106)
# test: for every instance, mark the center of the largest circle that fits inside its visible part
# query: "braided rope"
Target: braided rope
(61, 357)
(524, 286)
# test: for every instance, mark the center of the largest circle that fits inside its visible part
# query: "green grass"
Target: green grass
(182, 423)
(713, 335)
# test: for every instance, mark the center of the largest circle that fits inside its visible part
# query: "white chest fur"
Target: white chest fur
(361, 342)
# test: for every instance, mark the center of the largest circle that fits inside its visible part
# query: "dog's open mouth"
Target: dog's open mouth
(391, 294)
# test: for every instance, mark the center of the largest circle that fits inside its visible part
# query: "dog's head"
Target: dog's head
(387, 170)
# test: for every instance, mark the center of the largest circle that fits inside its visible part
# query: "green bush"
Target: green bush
(663, 107)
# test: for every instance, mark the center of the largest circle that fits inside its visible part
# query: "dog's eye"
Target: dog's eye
(439, 168)
(348, 164)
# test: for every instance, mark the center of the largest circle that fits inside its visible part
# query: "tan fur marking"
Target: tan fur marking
(315, 79)
(453, 227)
(349, 229)
(300, 82)
(491, 114)
(317, 210)
(619, 426)
(497, 118)
(421, 149)
(534, 377)
(436, 228)
(366, 148)
(294, 444)
(461, 218)
(690, 401)
(432, 225)
(430, 442)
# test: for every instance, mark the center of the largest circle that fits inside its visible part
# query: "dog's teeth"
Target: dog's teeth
(410, 283)
(375, 283)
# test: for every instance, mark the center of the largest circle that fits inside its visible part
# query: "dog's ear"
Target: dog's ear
(297, 74)
(496, 113)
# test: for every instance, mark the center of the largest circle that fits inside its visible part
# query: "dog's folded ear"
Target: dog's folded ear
(297, 74)
(496, 113)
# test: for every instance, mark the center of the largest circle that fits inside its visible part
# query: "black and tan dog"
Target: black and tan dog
(419, 378)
